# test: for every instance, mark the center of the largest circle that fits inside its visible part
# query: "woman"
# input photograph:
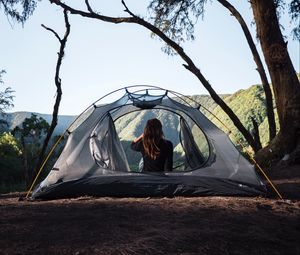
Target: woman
(157, 152)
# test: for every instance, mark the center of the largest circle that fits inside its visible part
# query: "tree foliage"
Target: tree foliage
(11, 174)
(178, 18)
(31, 132)
(18, 10)
(6, 101)
(6, 96)
(29, 136)
(294, 11)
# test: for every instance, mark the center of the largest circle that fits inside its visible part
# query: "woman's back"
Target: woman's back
(157, 152)
(162, 162)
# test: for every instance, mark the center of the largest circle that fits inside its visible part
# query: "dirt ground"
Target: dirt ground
(203, 225)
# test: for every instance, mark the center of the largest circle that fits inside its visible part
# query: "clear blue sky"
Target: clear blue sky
(102, 57)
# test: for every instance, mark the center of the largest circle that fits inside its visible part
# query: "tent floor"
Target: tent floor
(148, 186)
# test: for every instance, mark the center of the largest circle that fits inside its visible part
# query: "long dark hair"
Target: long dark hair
(152, 135)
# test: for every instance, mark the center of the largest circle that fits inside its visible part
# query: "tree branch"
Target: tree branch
(255, 130)
(127, 10)
(260, 67)
(92, 14)
(61, 53)
(51, 30)
(89, 6)
(189, 63)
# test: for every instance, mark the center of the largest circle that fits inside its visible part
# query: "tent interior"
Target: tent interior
(191, 149)
(97, 160)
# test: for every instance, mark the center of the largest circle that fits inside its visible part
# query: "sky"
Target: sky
(102, 57)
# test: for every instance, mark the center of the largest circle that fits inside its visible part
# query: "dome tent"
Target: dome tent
(95, 162)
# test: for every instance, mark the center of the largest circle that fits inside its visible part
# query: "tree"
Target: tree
(6, 100)
(260, 69)
(20, 11)
(12, 9)
(30, 136)
(57, 79)
(284, 79)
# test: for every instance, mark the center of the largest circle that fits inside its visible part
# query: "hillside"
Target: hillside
(246, 104)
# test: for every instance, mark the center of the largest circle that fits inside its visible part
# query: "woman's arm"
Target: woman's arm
(139, 138)
(136, 144)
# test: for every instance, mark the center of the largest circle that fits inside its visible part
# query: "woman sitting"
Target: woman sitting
(157, 152)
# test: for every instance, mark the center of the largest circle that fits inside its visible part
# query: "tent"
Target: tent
(97, 161)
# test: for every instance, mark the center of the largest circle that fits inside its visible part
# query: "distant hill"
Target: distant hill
(16, 119)
(245, 103)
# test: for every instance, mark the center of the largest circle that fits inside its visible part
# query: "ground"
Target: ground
(202, 225)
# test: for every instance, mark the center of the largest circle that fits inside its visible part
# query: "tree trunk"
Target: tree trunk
(260, 67)
(284, 79)
(25, 163)
(54, 121)
(255, 131)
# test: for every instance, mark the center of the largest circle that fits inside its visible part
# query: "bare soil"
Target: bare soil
(202, 225)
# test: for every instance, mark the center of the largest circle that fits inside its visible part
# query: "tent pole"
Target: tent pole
(42, 166)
